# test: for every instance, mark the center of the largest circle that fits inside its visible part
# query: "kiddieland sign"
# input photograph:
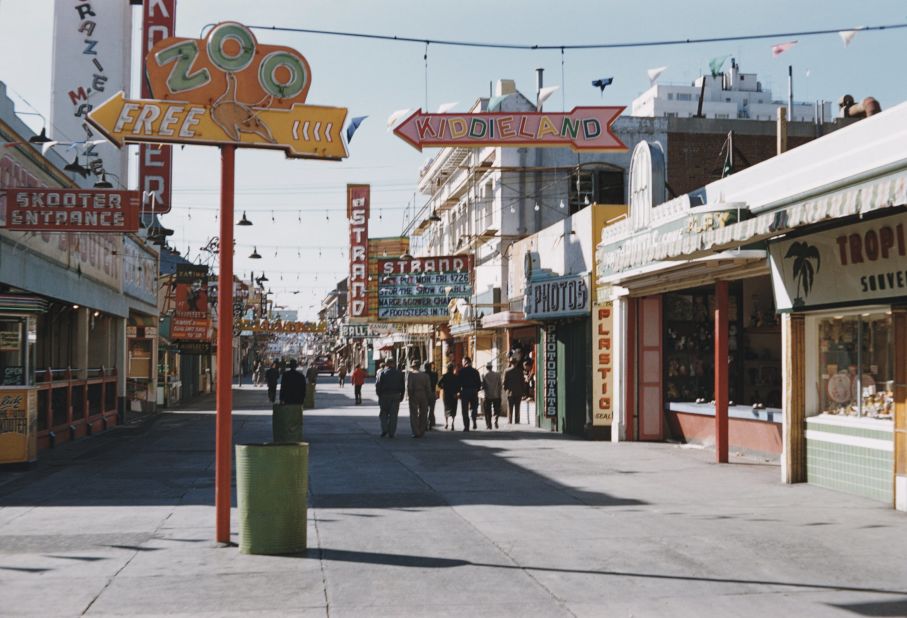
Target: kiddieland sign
(226, 89)
(863, 263)
(583, 129)
(421, 289)
(558, 297)
(72, 210)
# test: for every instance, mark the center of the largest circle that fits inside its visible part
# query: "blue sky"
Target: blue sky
(376, 78)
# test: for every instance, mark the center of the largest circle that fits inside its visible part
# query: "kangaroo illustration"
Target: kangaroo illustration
(235, 117)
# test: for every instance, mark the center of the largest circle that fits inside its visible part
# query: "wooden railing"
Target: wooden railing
(74, 402)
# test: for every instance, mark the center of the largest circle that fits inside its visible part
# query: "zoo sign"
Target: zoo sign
(226, 89)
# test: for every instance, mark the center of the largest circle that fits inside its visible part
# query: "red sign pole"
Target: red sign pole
(224, 425)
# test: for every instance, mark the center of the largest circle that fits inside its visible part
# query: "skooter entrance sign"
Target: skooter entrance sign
(225, 90)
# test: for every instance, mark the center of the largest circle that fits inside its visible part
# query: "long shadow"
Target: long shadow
(341, 555)
(169, 460)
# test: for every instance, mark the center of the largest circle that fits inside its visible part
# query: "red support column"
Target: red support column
(224, 425)
(721, 371)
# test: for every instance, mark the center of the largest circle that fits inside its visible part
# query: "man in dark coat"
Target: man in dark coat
(390, 386)
(469, 382)
(514, 390)
(272, 376)
(292, 385)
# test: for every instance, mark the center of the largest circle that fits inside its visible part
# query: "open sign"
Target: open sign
(197, 70)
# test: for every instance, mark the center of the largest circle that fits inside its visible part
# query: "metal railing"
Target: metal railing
(74, 403)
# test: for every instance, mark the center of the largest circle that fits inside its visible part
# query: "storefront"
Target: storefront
(845, 288)
(562, 305)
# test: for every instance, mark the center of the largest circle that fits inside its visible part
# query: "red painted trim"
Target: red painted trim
(224, 423)
(721, 371)
(630, 415)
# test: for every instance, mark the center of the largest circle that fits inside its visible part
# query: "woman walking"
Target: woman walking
(450, 391)
(342, 373)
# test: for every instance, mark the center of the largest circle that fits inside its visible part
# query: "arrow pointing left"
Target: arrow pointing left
(124, 121)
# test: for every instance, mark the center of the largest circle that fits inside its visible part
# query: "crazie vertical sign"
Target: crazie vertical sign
(155, 160)
(550, 370)
(602, 365)
(357, 210)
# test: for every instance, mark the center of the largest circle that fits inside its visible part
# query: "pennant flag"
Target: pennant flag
(352, 126)
(47, 146)
(808, 72)
(848, 35)
(494, 103)
(601, 83)
(446, 107)
(545, 93)
(655, 73)
(396, 117)
(716, 63)
(780, 48)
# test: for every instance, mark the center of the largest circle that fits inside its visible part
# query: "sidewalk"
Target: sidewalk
(512, 522)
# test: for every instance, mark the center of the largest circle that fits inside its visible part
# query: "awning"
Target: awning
(506, 319)
(664, 277)
(881, 192)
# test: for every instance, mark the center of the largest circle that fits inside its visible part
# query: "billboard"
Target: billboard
(191, 321)
(91, 51)
(72, 210)
(421, 289)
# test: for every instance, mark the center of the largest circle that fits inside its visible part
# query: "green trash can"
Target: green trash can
(286, 422)
(309, 396)
(271, 485)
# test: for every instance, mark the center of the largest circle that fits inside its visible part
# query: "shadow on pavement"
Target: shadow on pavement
(169, 460)
(895, 607)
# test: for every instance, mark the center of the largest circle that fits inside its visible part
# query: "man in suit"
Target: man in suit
(469, 382)
(514, 390)
(390, 386)
(418, 385)
(272, 376)
(292, 385)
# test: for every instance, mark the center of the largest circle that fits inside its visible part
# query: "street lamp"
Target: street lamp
(254, 255)
(244, 221)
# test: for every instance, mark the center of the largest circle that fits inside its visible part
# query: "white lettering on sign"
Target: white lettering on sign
(563, 296)
(358, 211)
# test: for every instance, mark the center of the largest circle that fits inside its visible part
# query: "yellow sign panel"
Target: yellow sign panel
(305, 131)
(18, 425)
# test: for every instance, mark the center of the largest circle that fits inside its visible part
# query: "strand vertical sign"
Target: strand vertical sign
(357, 210)
(156, 160)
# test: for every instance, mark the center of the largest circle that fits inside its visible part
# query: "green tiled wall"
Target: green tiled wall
(852, 469)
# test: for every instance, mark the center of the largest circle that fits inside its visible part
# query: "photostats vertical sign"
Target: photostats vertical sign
(357, 210)
(91, 50)
(156, 160)
(550, 370)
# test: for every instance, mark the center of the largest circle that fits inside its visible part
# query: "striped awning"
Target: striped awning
(21, 303)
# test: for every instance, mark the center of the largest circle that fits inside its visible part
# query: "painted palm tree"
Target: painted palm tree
(803, 255)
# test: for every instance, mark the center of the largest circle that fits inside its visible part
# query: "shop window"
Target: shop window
(856, 365)
(12, 352)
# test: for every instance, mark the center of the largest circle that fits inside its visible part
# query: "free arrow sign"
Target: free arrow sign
(584, 128)
(303, 131)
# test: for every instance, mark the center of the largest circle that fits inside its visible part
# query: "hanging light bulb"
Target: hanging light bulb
(561, 205)
(512, 209)
(537, 207)
(275, 252)
(586, 201)
(273, 220)
(299, 216)
(327, 215)
(189, 214)
(244, 221)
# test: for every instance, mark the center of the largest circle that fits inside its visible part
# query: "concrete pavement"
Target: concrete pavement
(513, 522)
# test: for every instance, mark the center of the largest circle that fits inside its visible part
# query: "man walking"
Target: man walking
(272, 375)
(470, 382)
(514, 390)
(358, 379)
(433, 378)
(390, 386)
(418, 385)
(491, 385)
(292, 385)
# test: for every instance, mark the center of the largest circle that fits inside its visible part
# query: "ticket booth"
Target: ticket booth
(18, 398)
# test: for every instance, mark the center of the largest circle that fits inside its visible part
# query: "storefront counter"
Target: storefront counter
(852, 454)
(754, 430)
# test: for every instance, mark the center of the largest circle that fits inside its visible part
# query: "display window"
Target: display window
(856, 365)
